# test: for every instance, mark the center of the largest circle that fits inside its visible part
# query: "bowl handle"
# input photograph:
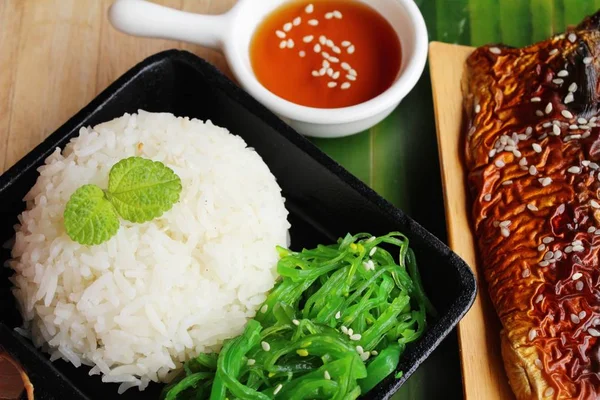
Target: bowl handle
(142, 18)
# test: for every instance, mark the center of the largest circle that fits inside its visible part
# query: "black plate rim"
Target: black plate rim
(463, 301)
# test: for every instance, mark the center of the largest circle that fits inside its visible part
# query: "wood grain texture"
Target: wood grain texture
(57, 55)
(11, 12)
(479, 331)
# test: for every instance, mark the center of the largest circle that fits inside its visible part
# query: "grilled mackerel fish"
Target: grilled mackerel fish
(533, 161)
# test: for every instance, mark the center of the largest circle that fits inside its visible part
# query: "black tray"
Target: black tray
(324, 200)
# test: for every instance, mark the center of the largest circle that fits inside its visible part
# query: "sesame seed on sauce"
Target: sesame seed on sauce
(572, 87)
(566, 114)
(548, 108)
(532, 207)
(569, 98)
(495, 50)
(533, 170)
(546, 181)
(572, 37)
(535, 99)
(588, 60)
(593, 332)
(299, 26)
(563, 73)
(539, 298)
(553, 52)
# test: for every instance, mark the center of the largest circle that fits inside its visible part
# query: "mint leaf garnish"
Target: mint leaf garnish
(141, 189)
(89, 217)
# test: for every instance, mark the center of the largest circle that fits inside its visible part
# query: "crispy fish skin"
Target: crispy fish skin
(533, 160)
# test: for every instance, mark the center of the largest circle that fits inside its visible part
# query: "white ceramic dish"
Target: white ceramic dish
(231, 33)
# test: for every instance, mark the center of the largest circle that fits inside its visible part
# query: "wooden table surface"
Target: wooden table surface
(57, 55)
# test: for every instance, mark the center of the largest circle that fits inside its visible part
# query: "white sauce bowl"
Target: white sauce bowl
(232, 32)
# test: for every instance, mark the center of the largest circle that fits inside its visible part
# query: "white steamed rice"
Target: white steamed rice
(158, 293)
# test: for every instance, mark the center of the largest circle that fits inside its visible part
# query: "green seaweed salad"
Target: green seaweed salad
(333, 327)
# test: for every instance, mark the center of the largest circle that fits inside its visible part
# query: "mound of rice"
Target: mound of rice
(158, 293)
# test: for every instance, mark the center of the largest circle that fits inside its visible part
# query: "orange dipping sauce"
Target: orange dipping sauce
(326, 53)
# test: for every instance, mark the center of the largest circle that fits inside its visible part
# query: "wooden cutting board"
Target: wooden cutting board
(483, 371)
